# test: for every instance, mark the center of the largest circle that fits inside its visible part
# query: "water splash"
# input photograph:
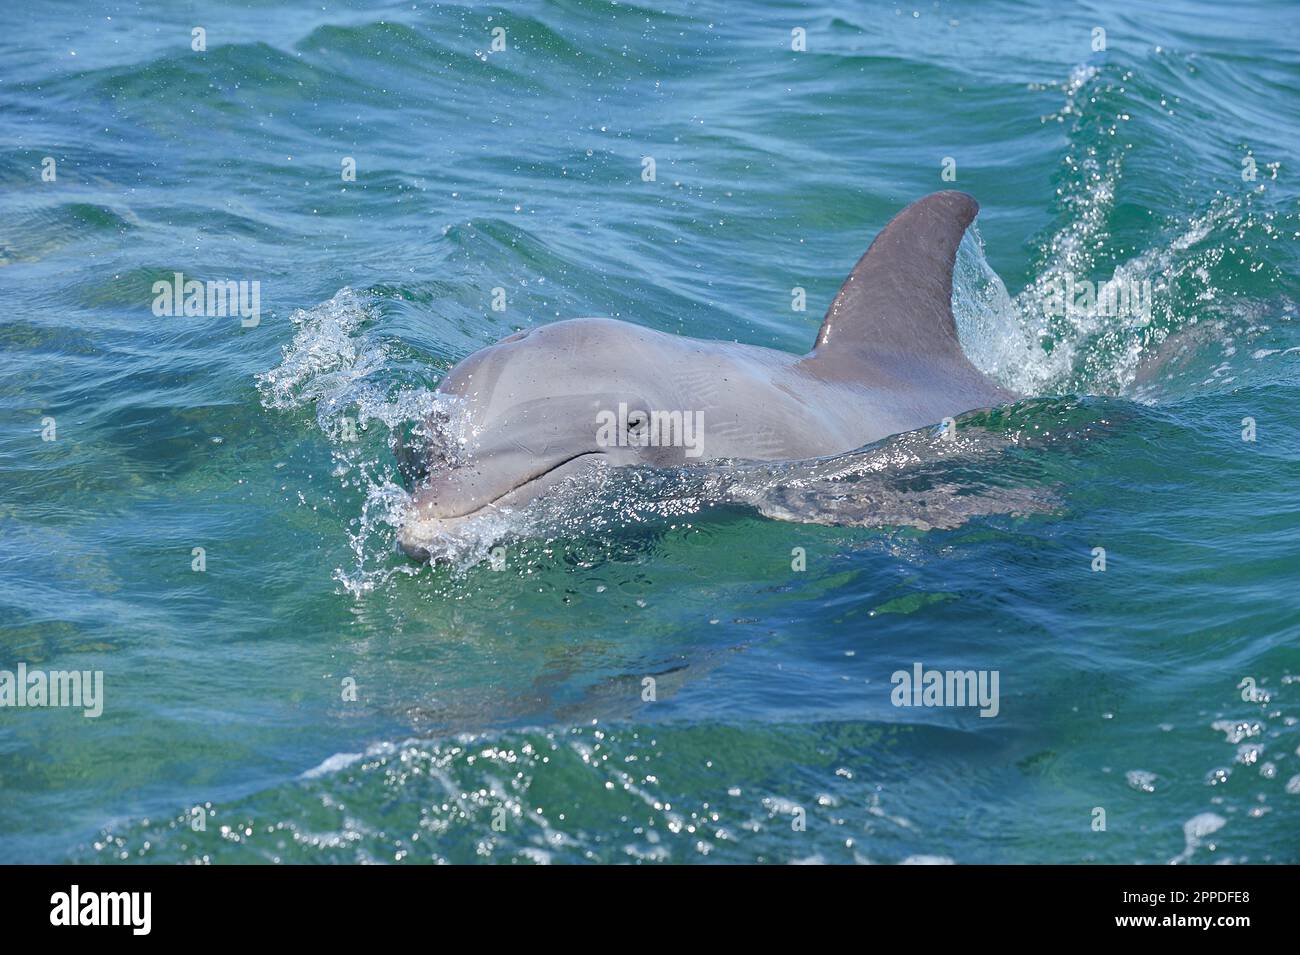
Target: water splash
(1031, 345)
(346, 375)
(998, 338)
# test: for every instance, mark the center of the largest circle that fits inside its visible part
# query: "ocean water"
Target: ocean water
(311, 695)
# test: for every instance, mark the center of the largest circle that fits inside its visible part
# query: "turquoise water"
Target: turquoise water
(522, 688)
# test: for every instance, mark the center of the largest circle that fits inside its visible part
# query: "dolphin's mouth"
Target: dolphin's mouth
(439, 512)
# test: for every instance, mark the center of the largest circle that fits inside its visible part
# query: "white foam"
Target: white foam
(332, 765)
(1196, 830)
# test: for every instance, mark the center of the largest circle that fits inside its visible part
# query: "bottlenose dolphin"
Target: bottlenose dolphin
(543, 405)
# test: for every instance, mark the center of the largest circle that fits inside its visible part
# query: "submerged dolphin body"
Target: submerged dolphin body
(886, 361)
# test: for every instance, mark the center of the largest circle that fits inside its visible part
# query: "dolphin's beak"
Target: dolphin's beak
(489, 482)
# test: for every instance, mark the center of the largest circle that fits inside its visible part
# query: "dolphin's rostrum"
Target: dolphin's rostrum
(540, 404)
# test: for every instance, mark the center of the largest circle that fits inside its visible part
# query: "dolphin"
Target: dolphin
(545, 404)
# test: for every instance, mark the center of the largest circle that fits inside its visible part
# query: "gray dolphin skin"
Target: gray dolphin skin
(886, 360)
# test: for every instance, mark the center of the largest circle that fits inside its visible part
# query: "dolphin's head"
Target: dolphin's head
(532, 407)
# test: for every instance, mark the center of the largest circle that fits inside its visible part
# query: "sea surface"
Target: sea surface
(299, 691)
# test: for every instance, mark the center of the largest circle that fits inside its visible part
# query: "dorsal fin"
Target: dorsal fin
(896, 304)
